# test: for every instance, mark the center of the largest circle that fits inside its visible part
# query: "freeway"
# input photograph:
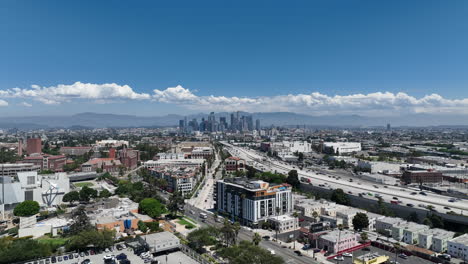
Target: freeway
(332, 181)
(244, 234)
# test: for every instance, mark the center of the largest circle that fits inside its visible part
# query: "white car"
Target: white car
(339, 258)
(108, 257)
(347, 254)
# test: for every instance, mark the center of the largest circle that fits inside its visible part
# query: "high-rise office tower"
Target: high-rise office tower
(257, 124)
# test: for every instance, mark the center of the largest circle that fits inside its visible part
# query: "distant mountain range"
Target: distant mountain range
(97, 120)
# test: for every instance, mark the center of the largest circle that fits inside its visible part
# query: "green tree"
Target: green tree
(27, 208)
(87, 194)
(413, 217)
(153, 226)
(176, 203)
(105, 194)
(247, 252)
(142, 226)
(18, 250)
(256, 239)
(99, 239)
(427, 222)
(151, 207)
(340, 197)
(360, 221)
(71, 197)
(80, 221)
(293, 179)
(437, 221)
(364, 236)
(202, 237)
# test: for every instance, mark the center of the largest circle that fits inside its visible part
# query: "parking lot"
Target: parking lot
(171, 258)
(409, 260)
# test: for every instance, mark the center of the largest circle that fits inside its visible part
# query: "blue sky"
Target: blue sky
(245, 49)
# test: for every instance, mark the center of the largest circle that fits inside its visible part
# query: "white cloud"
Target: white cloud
(26, 104)
(65, 93)
(380, 103)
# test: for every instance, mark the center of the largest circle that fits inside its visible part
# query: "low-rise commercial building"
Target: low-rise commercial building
(419, 177)
(338, 240)
(341, 147)
(160, 242)
(284, 223)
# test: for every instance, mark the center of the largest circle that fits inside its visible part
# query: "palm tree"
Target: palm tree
(295, 214)
(256, 239)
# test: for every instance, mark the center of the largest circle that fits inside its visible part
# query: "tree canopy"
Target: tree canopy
(247, 252)
(340, 197)
(16, 250)
(71, 197)
(151, 207)
(293, 179)
(360, 221)
(26, 208)
(87, 193)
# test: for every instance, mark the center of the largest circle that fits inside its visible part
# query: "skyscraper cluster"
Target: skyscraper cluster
(237, 123)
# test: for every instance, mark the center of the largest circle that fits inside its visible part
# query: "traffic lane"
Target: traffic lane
(442, 200)
(247, 235)
(288, 255)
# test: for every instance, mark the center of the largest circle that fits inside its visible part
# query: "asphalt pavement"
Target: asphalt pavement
(287, 254)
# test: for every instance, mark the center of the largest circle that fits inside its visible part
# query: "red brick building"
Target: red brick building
(421, 177)
(129, 157)
(47, 162)
(33, 145)
(234, 164)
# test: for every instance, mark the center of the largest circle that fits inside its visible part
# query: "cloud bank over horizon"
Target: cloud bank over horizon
(314, 103)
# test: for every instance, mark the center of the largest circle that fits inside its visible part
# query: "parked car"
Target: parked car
(403, 256)
(298, 252)
(121, 256)
(338, 258)
(347, 254)
(410, 205)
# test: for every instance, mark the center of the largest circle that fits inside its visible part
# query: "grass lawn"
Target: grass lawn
(184, 222)
(53, 242)
(83, 184)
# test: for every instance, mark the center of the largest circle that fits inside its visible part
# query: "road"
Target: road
(328, 181)
(204, 199)
(287, 254)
